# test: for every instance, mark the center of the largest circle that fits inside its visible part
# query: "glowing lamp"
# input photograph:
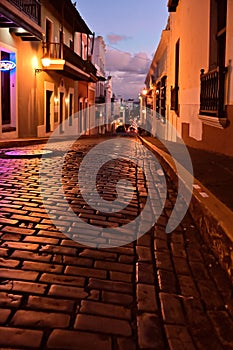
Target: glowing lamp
(144, 91)
(45, 60)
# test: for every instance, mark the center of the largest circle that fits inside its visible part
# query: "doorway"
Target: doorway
(80, 117)
(61, 110)
(70, 109)
(48, 111)
(5, 91)
(48, 36)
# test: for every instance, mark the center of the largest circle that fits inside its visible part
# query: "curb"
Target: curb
(212, 217)
(36, 141)
(22, 142)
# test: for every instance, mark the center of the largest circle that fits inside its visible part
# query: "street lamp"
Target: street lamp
(45, 60)
(144, 92)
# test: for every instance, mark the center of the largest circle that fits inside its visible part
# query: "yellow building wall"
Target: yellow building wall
(30, 85)
(190, 25)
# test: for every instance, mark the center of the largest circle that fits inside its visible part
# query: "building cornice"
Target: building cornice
(172, 5)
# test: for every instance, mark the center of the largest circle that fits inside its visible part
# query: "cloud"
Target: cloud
(128, 72)
(115, 38)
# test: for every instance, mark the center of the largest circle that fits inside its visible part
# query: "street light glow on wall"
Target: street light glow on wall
(35, 62)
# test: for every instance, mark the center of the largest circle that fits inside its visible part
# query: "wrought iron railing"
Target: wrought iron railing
(100, 99)
(90, 68)
(53, 50)
(31, 8)
(62, 51)
(212, 92)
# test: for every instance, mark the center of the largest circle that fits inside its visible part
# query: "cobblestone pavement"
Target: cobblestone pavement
(162, 291)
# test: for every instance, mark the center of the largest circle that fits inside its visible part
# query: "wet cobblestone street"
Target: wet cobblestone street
(160, 291)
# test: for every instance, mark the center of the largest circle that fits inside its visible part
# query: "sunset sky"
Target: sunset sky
(131, 30)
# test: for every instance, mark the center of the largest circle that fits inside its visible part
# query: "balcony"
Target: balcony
(100, 99)
(23, 17)
(68, 14)
(63, 59)
(31, 8)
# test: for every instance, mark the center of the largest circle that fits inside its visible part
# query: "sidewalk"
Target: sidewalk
(24, 142)
(213, 170)
(21, 142)
(212, 203)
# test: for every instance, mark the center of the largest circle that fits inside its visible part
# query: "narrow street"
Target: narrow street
(158, 292)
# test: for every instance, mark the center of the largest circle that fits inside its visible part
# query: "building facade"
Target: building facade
(51, 77)
(98, 60)
(189, 82)
(103, 91)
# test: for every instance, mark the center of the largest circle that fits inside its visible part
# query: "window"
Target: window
(72, 44)
(175, 89)
(213, 82)
(163, 97)
(158, 97)
(218, 10)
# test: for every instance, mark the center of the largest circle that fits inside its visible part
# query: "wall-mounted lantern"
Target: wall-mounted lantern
(45, 61)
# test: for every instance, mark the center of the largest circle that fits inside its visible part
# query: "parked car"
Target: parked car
(132, 129)
(121, 129)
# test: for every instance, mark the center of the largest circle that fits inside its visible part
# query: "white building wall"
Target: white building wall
(98, 60)
(99, 54)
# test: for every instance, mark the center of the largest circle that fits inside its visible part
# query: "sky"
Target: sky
(131, 30)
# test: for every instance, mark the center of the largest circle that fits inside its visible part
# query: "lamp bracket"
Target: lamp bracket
(38, 70)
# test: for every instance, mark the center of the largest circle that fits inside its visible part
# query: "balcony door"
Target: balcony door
(48, 106)
(61, 39)
(48, 35)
